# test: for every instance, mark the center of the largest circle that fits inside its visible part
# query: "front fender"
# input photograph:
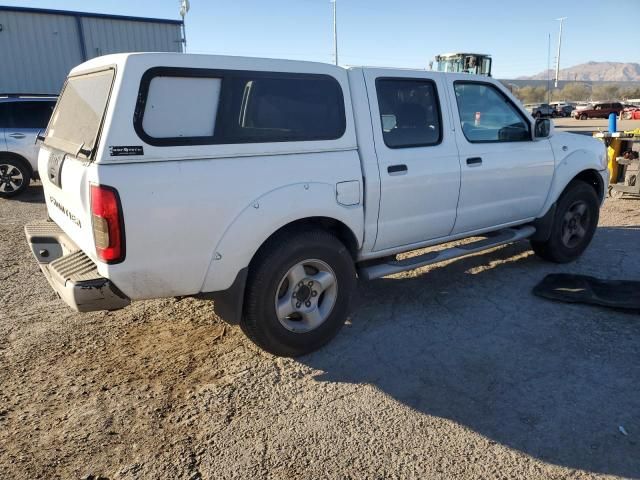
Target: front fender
(267, 214)
(568, 167)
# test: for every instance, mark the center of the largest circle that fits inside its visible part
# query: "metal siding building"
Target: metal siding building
(38, 47)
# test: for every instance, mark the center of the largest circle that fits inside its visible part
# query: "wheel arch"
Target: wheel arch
(593, 178)
(291, 206)
(336, 227)
(19, 158)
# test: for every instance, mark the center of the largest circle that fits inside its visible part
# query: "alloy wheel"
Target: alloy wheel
(306, 296)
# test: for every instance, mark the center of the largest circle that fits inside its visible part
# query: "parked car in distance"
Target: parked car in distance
(270, 186)
(598, 110)
(630, 112)
(539, 110)
(562, 109)
(22, 116)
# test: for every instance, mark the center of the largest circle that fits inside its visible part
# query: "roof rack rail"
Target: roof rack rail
(16, 95)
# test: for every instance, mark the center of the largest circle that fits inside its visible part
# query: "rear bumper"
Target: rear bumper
(70, 272)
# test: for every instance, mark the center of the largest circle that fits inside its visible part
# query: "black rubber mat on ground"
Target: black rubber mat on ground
(583, 289)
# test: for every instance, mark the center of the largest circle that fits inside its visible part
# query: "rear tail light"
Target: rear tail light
(108, 224)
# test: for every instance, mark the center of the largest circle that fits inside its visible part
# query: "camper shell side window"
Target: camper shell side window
(189, 106)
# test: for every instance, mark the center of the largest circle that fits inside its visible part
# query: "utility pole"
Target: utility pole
(559, 46)
(335, 30)
(184, 8)
(549, 70)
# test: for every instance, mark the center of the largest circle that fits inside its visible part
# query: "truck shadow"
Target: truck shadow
(33, 194)
(470, 343)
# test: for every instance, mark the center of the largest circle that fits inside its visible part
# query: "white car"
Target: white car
(22, 117)
(272, 185)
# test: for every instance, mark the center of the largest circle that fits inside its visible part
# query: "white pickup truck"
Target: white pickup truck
(271, 185)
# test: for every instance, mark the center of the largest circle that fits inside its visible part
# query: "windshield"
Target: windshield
(76, 121)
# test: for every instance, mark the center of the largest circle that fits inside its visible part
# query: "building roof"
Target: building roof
(88, 14)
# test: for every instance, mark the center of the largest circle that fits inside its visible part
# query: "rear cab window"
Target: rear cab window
(181, 106)
(77, 120)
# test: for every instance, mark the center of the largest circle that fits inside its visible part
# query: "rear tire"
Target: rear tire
(574, 224)
(583, 117)
(14, 177)
(298, 292)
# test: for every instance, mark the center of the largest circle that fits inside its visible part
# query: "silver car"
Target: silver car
(22, 116)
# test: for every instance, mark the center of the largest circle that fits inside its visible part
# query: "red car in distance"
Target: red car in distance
(598, 110)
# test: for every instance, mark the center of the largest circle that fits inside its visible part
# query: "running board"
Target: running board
(493, 239)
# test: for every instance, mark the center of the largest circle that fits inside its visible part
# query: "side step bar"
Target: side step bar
(494, 239)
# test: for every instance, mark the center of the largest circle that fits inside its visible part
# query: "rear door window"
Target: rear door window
(30, 114)
(409, 112)
(77, 120)
(4, 115)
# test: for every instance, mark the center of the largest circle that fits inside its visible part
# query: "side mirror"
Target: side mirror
(543, 128)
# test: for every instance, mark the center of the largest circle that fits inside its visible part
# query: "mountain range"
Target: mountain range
(594, 72)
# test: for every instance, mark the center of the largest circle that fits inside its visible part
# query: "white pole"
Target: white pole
(184, 8)
(558, 57)
(335, 30)
(184, 35)
(549, 69)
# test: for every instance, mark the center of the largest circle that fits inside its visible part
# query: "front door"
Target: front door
(417, 154)
(506, 174)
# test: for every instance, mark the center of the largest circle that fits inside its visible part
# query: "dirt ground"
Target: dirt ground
(452, 371)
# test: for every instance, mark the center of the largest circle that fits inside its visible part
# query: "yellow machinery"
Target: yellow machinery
(475, 63)
(617, 142)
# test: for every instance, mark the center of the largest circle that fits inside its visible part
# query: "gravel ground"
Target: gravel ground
(587, 127)
(452, 371)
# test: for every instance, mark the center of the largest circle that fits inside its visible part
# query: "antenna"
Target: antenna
(561, 19)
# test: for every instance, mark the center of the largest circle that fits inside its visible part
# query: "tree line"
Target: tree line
(575, 92)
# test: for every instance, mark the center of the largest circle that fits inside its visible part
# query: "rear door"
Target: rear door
(416, 150)
(26, 119)
(506, 175)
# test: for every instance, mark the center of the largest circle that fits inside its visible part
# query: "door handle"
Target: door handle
(400, 169)
(17, 135)
(474, 161)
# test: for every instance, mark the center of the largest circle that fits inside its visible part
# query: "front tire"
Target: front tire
(298, 292)
(574, 224)
(14, 177)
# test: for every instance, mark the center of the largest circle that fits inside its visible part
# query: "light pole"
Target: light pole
(184, 8)
(335, 30)
(559, 46)
(549, 69)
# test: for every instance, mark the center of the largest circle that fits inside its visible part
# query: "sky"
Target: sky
(400, 33)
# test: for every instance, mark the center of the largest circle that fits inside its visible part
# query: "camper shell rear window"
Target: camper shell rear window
(186, 106)
(77, 119)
